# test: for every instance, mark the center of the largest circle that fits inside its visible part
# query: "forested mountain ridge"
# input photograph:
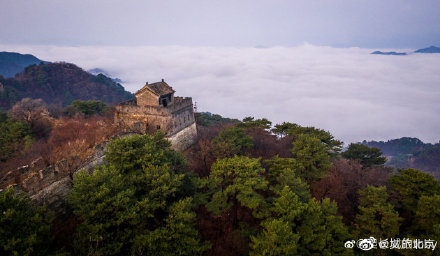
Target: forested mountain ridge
(12, 63)
(244, 188)
(59, 84)
(97, 71)
(409, 152)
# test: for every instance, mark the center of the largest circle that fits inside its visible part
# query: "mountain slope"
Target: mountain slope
(410, 153)
(97, 71)
(431, 49)
(60, 84)
(12, 63)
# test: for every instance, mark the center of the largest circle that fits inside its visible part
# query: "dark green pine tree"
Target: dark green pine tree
(299, 228)
(377, 217)
(233, 182)
(232, 141)
(311, 155)
(134, 204)
(367, 156)
(410, 185)
(24, 229)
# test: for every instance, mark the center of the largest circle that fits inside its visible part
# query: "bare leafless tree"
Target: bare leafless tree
(35, 113)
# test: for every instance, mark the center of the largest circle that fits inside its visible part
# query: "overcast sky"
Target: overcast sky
(242, 23)
(306, 62)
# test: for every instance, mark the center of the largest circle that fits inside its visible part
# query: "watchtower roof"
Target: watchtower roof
(160, 88)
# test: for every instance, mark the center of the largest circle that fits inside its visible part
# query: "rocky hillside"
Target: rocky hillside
(59, 84)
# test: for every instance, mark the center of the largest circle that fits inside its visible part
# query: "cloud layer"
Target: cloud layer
(347, 91)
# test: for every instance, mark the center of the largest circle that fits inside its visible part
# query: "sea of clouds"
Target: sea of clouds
(351, 93)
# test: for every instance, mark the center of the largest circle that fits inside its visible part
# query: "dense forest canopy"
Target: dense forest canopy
(244, 188)
(59, 84)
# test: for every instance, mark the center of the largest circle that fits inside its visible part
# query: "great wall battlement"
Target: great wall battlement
(156, 108)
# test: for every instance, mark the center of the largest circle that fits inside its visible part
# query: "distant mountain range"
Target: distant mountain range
(431, 49)
(60, 84)
(97, 71)
(12, 63)
(410, 153)
(389, 53)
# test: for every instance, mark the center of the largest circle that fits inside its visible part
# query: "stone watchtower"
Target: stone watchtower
(156, 108)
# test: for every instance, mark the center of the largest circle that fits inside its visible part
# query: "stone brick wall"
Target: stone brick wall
(146, 98)
(177, 116)
(50, 185)
(182, 115)
(142, 119)
(184, 138)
